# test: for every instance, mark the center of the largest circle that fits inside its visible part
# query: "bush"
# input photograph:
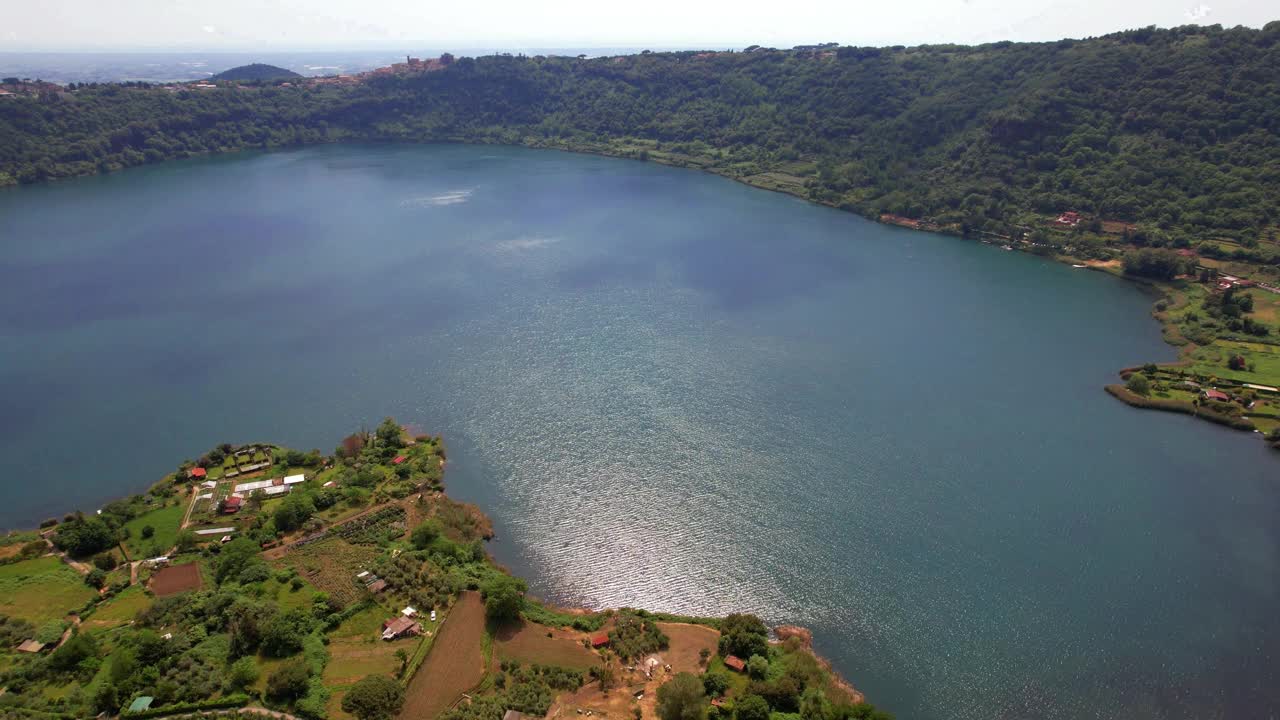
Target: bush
(375, 697)
(682, 698)
(1139, 384)
(289, 681)
(751, 707)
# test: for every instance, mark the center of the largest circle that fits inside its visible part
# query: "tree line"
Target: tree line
(1173, 128)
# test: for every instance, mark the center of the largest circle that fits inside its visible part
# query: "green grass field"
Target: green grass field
(120, 609)
(1212, 360)
(288, 598)
(41, 589)
(165, 520)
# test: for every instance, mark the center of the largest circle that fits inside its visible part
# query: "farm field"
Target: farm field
(119, 610)
(165, 522)
(331, 565)
(455, 665)
(176, 579)
(41, 589)
(687, 642)
(528, 643)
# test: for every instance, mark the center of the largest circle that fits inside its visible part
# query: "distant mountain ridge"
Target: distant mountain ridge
(256, 71)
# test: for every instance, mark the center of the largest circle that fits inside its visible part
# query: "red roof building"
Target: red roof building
(397, 627)
(399, 459)
(1217, 396)
(232, 504)
(733, 662)
(599, 640)
(198, 472)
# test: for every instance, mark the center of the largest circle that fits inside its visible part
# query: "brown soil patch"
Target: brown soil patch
(687, 643)
(8, 551)
(1102, 263)
(786, 632)
(616, 704)
(176, 579)
(528, 643)
(454, 665)
(683, 655)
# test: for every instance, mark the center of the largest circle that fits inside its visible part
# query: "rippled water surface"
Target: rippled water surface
(671, 391)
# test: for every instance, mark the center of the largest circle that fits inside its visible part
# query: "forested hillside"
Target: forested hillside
(1176, 129)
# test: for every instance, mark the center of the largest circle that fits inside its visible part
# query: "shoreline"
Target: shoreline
(431, 504)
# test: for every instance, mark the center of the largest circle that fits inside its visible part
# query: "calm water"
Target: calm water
(672, 391)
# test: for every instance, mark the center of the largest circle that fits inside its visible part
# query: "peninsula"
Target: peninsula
(291, 584)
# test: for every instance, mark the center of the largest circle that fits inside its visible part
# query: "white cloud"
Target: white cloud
(209, 29)
(1198, 13)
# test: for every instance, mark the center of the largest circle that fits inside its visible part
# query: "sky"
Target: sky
(285, 25)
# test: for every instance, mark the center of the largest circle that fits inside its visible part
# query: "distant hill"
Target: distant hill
(1176, 130)
(256, 71)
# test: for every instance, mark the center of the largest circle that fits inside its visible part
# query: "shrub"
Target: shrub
(374, 698)
(1139, 384)
(289, 681)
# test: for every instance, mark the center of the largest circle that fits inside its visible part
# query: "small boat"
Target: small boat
(1008, 247)
(1079, 266)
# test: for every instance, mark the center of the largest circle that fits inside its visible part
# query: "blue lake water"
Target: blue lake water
(676, 392)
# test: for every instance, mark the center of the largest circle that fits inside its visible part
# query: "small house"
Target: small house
(400, 627)
(733, 662)
(513, 715)
(197, 473)
(232, 505)
(599, 640)
(141, 704)
(399, 459)
(409, 611)
(1216, 395)
(377, 586)
(31, 646)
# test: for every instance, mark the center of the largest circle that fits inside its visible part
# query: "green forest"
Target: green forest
(1175, 129)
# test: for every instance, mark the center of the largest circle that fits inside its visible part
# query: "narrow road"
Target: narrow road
(191, 506)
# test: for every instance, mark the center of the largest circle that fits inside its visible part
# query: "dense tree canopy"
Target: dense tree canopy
(682, 698)
(374, 698)
(1175, 128)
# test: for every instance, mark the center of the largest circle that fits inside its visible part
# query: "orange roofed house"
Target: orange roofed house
(733, 662)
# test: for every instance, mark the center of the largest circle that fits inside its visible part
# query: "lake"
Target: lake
(671, 391)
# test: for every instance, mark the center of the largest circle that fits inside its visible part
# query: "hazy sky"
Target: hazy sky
(422, 24)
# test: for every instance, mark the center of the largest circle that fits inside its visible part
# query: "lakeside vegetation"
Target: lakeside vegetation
(364, 592)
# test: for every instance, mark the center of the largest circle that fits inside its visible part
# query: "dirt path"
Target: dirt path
(78, 566)
(191, 506)
(454, 665)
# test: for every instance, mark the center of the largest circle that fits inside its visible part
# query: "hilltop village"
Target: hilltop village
(289, 584)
